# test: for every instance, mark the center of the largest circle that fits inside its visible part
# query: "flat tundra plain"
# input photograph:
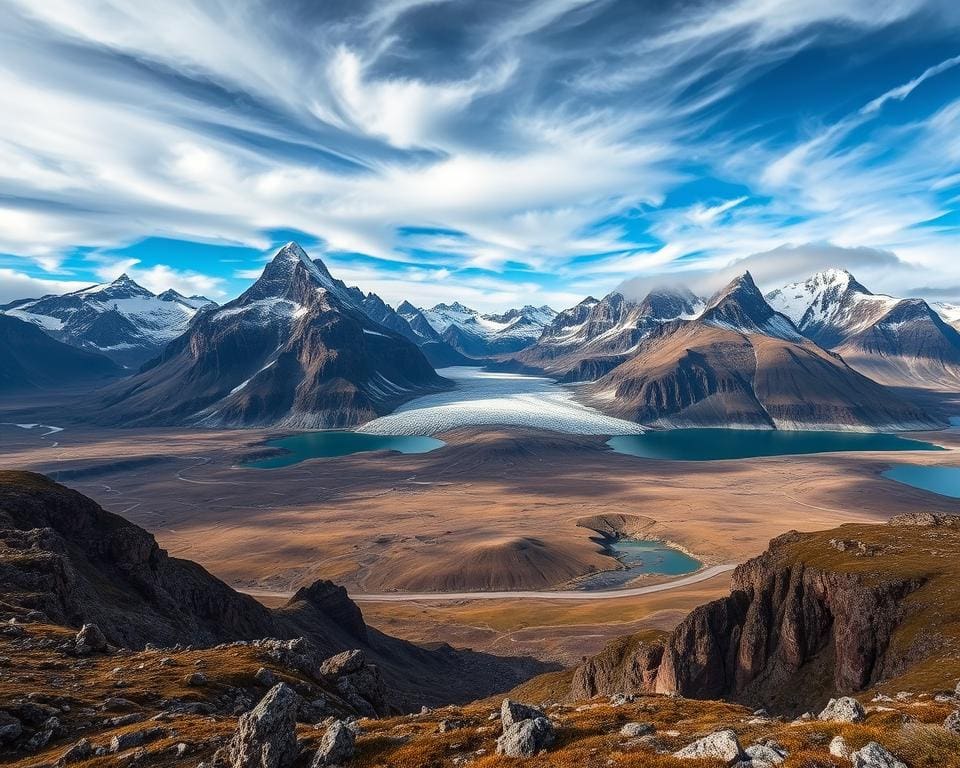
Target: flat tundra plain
(496, 509)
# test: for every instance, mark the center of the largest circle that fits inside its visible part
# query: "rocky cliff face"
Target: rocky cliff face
(817, 615)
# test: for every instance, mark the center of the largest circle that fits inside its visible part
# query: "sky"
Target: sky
(498, 153)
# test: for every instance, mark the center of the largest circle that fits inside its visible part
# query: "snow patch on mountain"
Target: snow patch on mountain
(120, 316)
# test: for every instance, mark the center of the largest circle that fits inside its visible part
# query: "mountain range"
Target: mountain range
(898, 342)
(478, 335)
(586, 341)
(122, 319)
(296, 349)
(301, 349)
(742, 364)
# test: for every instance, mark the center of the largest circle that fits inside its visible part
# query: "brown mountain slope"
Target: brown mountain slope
(740, 364)
(30, 360)
(293, 350)
(703, 376)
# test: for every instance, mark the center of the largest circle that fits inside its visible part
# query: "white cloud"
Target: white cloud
(235, 121)
(17, 285)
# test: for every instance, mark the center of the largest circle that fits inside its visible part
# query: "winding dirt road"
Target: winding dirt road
(609, 594)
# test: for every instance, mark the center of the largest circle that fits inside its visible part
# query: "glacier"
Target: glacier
(484, 398)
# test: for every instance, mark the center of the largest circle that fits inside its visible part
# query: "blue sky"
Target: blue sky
(498, 153)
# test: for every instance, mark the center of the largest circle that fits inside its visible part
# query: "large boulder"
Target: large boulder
(90, 640)
(844, 710)
(266, 735)
(336, 746)
(721, 745)
(839, 747)
(874, 756)
(526, 737)
(345, 663)
(637, 730)
(514, 712)
(358, 683)
(765, 755)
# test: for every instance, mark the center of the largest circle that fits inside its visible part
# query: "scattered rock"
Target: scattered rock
(266, 735)
(845, 710)
(90, 640)
(513, 712)
(952, 723)
(924, 518)
(345, 663)
(79, 751)
(336, 746)
(765, 755)
(722, 745)
(117, 704)
(874, 756)
(854, 545)
(181, 749)
(313, 711)
(124, 741)
(636, 730)
(10, 728)
(195, 679)
(265, 677)
(839, 747)
(448, 725)
(526, 737)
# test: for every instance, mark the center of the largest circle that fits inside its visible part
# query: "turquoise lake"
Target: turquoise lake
(641, 557)
(942, 480)
(718, 444)
(325, 445)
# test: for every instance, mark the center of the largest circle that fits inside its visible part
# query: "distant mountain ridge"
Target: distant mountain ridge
(121, 319)
(296, 349)
(742, 364)
(899, 342)
(586, 341)
(481, 335)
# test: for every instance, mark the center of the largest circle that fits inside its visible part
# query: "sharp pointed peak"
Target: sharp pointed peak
(742, 283)
(290, 251)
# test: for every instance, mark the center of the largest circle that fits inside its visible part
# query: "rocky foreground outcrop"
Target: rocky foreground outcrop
(815, 616)
(67, 562)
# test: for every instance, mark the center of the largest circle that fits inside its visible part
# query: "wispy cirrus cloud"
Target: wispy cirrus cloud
(568, 144)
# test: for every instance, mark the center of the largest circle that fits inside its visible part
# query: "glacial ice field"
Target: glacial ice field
(483, 398)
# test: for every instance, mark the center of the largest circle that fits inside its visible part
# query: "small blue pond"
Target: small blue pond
(641, 557)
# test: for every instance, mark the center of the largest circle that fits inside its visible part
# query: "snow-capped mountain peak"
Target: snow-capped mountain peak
(124, 287)
(830, 305)
(121, 319)
(195, 301)
(740, 307)
(478, 335)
